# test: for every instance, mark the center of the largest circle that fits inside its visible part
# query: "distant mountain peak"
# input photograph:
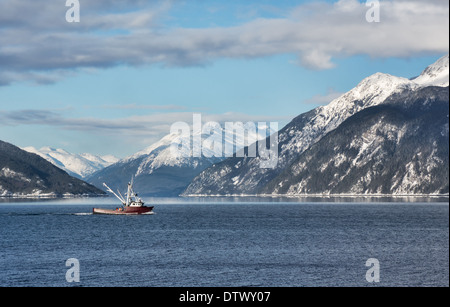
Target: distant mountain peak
(159, 145)
(160, 171)
(24, 174)
(437, 74)
(76, 165)
(375, 88)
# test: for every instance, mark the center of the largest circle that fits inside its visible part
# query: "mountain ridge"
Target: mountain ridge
(237, 176)
(160, 172)
(396, 148)
(76, 165)
(24, 174)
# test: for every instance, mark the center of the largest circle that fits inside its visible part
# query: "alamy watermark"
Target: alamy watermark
(73, 13)
(241, 140)
(73, 274)
(373, 14)
(373, 273)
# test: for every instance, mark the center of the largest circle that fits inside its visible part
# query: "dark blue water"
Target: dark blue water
(226, 244)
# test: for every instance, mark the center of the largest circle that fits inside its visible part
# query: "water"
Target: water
(226, 242)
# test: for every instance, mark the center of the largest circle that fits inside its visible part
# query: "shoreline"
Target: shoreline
(51, 196)
(318, 195)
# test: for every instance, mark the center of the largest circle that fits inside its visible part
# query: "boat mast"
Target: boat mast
(130, 191)
(128, 194)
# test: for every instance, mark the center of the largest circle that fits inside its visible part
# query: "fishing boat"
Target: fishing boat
(131, 205)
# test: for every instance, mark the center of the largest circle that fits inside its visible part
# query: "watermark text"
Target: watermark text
(73, 274)
(73, 13)
(236, 139)
(373, 273)
(373, 13)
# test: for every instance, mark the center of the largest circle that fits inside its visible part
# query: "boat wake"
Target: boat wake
(43, 214)
(148, 213)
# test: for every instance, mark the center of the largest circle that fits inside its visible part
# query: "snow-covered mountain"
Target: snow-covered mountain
(244, 176)
(23, 174)
(435, 75)
(76, 165)
(159, 155)
(398, 147)
(161, 172)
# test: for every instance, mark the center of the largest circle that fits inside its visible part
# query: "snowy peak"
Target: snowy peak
(160, 154)
(372, 90)
(159, 171)
(154, 148)
(381, 81)
(375, 89)
(76, 165)
(24, 174)
(436, 74)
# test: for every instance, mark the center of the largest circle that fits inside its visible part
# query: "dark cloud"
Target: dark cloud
(127, 125)
(143, 130)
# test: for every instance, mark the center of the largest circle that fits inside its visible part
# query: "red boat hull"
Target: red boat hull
(125, 211)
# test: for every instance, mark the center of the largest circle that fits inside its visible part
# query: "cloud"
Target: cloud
(134, 106)
(144, 129)
(37, 44)
(324, 99)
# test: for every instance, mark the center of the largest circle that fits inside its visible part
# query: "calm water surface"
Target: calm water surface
(226, 242)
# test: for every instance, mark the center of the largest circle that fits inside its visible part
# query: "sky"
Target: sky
(116, 81)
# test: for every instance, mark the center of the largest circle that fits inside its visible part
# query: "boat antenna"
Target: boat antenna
(129, 192)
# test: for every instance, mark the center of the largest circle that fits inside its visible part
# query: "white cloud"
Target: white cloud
(134, 106)
(324, 99)
(34, 45)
